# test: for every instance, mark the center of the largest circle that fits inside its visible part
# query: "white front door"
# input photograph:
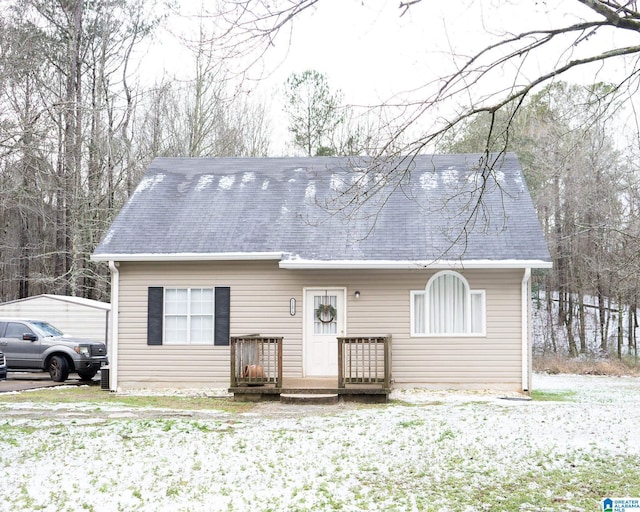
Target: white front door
(324, 321)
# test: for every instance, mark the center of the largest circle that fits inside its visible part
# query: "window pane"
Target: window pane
(477, 312)
(325, 322)
(175, 301)
(16, 330)
(447, 310)
(458, 303)
(175, 329)
(202, 301)
(201, 329)
(419, 313)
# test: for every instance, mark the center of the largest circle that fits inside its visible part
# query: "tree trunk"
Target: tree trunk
(582, 327)
(631, 328)
(602, 313)
(551, 319)
(620, 327)
(573, 349)
(23, 241)
(605, 333)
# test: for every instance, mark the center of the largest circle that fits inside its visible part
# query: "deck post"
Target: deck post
(362, 359)
(387, 361)
(234, 380)
(341, 383)
(279, 379)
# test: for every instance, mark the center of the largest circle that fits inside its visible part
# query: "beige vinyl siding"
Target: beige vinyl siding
(259, 305)
(260, 295)
(461, 361)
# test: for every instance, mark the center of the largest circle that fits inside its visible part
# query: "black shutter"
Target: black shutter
(222, 307)
(154, 315)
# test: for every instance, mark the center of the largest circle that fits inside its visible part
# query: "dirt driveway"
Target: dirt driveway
(22, 381)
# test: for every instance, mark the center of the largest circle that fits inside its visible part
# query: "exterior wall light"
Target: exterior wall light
(357, 294)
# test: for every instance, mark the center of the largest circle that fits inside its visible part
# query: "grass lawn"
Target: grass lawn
(574, 444)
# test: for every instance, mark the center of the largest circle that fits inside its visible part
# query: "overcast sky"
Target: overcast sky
(373, 54)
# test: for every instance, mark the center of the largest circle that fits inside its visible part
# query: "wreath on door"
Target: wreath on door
(326, 313)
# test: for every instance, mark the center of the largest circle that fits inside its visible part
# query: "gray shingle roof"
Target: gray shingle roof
(432, 207)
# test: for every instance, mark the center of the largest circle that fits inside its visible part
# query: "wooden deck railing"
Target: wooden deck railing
(364, 360)
(256, 360)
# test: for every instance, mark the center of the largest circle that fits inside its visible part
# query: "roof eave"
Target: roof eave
(309, 264)
(189, 256)
(433, 264)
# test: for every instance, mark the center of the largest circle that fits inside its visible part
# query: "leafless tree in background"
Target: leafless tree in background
(78, 127)
(253, 26)
(65, 104)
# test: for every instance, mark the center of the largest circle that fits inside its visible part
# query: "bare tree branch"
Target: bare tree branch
(259, 21)
(406, 5)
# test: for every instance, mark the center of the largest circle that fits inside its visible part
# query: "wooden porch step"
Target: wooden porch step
(369, 394)
(309, 398)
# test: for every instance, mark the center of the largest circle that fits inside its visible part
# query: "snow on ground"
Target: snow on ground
(439, 450)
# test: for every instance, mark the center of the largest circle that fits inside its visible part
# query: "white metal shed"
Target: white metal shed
(76, 316)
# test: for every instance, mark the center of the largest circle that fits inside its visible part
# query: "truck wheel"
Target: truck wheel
(87, 375)
(58, 369)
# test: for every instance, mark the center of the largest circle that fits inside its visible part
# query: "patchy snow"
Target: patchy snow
(248, 177)
(426, 450)
(428, 181)
(337, 183)
(518, 181)
(108, 237)
(380, 179)
(450, 176)
(360, 178)
(204, 182)
(310, 191)
(147, 183)
(546, 329)
(226, 182)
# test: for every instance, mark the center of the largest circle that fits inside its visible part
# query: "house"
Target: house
(407, 273)
(76, 316)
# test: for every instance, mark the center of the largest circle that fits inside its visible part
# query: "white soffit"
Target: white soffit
(390, 264)
(228, 256)
(299, 263)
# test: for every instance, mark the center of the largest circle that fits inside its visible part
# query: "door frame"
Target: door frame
(306, 326)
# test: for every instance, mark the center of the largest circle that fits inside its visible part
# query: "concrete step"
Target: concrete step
(309, 398)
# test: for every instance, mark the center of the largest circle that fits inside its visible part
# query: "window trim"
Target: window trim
(483, 309)
(469, 306)
(221, 316)
(189, 316)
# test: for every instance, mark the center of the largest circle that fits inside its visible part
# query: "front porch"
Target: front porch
(364, 370)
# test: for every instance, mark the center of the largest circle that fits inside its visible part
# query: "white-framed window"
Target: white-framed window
(447, 306)
(189, 316)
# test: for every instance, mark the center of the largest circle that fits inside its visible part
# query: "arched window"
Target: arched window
(447, 306)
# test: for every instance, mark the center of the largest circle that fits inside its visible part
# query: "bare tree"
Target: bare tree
(204, 111)
(576, 178)
(471, 89)
(64, 71)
